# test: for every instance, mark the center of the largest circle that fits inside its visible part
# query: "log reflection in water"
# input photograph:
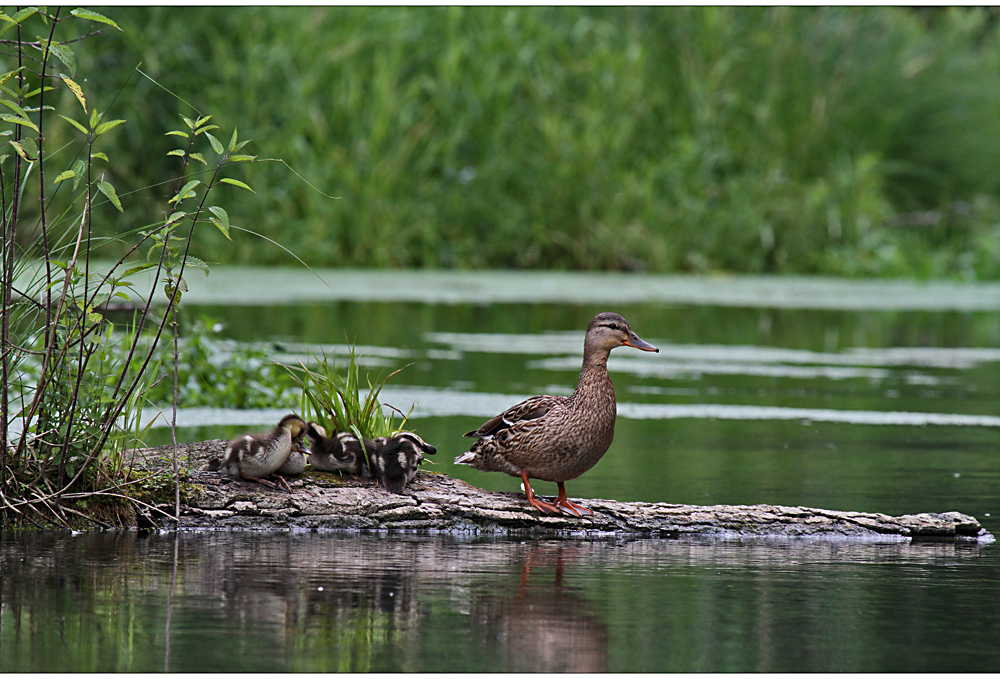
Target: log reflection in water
(306, 602)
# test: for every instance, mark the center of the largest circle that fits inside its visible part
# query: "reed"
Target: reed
(340, 402)
(843, 140)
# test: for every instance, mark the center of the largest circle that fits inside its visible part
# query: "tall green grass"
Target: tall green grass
(851, 140)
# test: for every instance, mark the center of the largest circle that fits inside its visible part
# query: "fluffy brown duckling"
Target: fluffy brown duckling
(341, 452)
(395, 459)
(558, 438)
(254, 457)
(296, 462)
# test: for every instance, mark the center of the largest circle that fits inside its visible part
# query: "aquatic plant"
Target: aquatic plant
(339, 403)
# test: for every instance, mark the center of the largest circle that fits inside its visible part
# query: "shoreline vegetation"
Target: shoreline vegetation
(846, 141)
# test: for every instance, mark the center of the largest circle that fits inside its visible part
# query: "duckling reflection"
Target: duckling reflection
(547, 626)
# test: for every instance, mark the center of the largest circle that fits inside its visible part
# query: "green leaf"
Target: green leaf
(14, 107)
(177, 133)
(20, 151)
(191, 260)
(91, 15)
(236, 182)
(107, 126)
(137, 269)
(7, 117)
(80, 170)
(232, 143)
(153, 249)
(216, 144)
(176, 152)
(12, 21)
(62, 53)
(100, 155)
(221, 220)
(30, 146)
(76, 90)
(175, 217)
(63, 176)
(109, 191)
(94, 119)
(200, 158)
(241, 158)
(186, 192)
(75, 124)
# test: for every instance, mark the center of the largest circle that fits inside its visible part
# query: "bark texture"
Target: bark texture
(440, 503)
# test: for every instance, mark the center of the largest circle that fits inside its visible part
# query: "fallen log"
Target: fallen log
(439, 503)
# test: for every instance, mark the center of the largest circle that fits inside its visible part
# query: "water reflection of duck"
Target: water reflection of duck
(546, 626)
(256, 456)
(558, 438)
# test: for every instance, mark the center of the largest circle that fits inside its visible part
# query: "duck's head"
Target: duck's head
(294, 425)
(315, 432)
(609, 330)
(415, 443)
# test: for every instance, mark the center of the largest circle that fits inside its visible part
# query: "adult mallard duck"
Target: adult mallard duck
(395, 459)
(558, 438)
(256, 456)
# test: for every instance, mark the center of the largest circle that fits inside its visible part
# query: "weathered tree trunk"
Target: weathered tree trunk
(437, 502)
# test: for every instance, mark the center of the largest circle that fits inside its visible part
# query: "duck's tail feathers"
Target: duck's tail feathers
(466, 458)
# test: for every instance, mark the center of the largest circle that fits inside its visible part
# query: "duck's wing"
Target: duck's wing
(530, 409)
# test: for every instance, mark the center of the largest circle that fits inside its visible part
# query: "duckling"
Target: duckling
(256, 456)
(296, 462)
(339, 453)
(395, 459)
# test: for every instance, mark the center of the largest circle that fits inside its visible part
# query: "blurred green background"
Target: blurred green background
(847, 141)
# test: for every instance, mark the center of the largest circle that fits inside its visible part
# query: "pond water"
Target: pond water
(834, 394)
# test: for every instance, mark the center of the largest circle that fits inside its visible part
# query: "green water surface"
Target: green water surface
(887, 405)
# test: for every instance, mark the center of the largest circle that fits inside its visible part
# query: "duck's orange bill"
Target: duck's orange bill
(637, 343)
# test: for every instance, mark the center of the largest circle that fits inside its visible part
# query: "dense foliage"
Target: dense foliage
(848, 140)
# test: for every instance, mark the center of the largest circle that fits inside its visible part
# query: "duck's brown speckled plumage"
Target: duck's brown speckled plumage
(558, 438)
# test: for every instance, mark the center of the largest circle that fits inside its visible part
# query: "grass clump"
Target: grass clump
(339, 403)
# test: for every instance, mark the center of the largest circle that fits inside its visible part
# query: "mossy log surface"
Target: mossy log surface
(440, 503)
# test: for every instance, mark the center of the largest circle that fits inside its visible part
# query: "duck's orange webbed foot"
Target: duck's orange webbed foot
(541, 505)
(567, 507)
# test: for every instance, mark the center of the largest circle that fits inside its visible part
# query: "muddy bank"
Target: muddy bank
(440, 503)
